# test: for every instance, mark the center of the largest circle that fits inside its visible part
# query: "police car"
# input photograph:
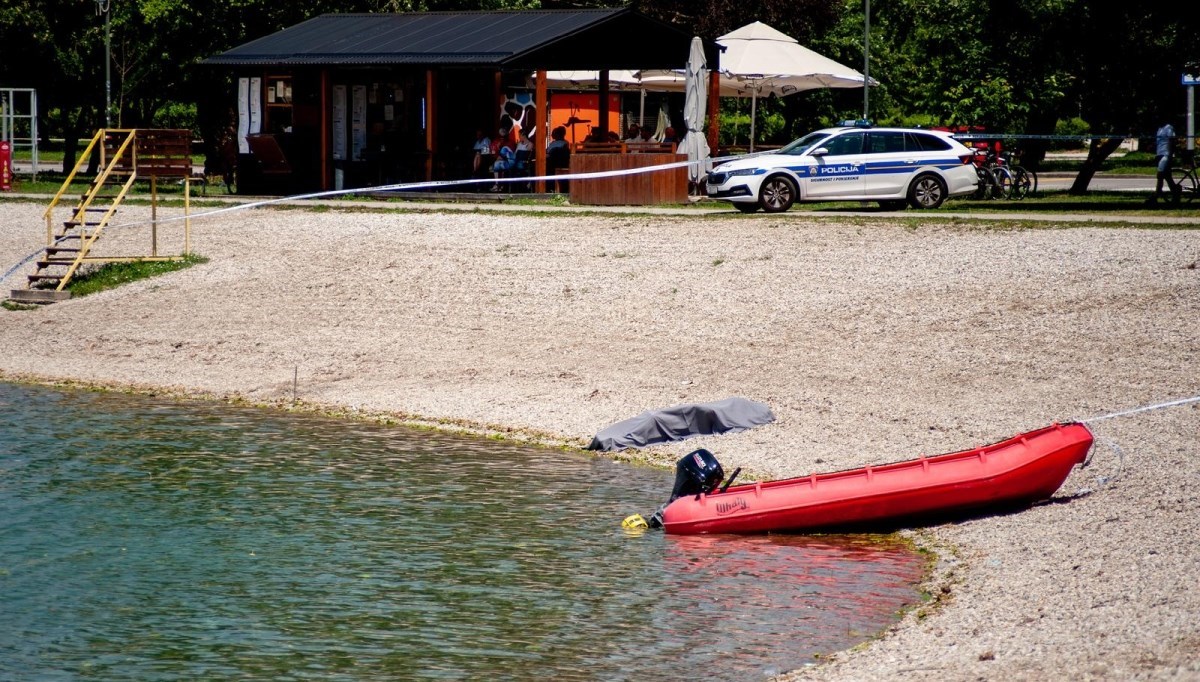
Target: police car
(894, 166)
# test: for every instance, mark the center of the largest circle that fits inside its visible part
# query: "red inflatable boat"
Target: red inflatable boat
(1019, 471)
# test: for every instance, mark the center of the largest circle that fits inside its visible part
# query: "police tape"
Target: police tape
(702, 166)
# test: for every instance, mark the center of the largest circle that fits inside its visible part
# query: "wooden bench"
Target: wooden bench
(157, 153)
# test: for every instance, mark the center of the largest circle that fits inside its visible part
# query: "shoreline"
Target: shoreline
(943, 560)
(871, 340)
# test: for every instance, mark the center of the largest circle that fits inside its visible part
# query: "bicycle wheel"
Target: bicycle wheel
(1004, 183)
(982, 185)
(1024, 182)
(1185, 180)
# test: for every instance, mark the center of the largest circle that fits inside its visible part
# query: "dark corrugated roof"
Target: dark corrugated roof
(517, 38)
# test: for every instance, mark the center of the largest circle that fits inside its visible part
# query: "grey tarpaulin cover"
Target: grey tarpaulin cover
(683, 421)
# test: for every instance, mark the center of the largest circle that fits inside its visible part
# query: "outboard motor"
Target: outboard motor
(698, 472)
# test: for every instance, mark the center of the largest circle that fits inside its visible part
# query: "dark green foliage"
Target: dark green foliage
(1018, 66)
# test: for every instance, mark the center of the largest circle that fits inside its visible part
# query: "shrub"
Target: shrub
(1075, 127)
(176, 115)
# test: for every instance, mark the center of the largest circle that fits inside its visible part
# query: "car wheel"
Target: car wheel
(893, 205)
(745, 207)
(927, 191)
(777, 194)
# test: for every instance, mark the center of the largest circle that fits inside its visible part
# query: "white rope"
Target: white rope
(1102, 481)
(1147, 408)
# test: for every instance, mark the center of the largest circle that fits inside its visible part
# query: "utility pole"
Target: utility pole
(104, 7)
(866, 59)
(1190, 80)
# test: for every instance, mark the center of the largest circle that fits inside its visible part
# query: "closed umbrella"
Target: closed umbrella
(694, 102)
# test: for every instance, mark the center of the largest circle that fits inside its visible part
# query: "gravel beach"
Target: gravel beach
(873, 340)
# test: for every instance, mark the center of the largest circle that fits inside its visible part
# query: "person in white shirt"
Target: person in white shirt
(483, 152)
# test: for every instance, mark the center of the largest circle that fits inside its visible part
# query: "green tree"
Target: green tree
(1127, 60)
(50, 46)
(1014, 67)
(1019, 67)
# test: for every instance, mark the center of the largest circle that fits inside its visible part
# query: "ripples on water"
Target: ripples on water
(142, 540)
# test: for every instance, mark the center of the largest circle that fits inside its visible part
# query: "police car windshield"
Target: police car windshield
(805, 143)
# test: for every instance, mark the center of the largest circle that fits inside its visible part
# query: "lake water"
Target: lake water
(143, 539)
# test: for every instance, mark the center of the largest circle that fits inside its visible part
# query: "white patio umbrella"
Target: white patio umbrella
(695, 100)
(649, 80)
(618, 79)
(769, 61)
(675, 80)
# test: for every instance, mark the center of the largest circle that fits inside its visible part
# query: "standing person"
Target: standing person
(1164, 155)
(558, 156)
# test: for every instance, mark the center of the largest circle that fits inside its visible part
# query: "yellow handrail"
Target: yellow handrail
(86, 245)
(100, 179)
(80, 215)
(109, 163)
(66, 184)
(103, 177)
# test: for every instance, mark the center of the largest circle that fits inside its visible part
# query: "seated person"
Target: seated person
(483, 153)
(670, 136)
(506, 160)
(558, 156)
(645, 142)
(524, 146)
(634, 134)
(522, 157)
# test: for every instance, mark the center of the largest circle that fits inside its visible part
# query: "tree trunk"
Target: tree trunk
(70, 149)
(71, 125)
(1098, 151)
(1033, 151)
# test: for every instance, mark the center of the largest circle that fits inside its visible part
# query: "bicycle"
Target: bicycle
(1185, 179)
(1025, 181)
(995, 181)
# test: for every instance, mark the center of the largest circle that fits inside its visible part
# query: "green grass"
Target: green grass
(112, 275)
(1125, 203)
(46, 157)
(50, 183)
(1059, 201)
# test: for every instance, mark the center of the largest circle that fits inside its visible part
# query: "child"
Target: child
(506, 158)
